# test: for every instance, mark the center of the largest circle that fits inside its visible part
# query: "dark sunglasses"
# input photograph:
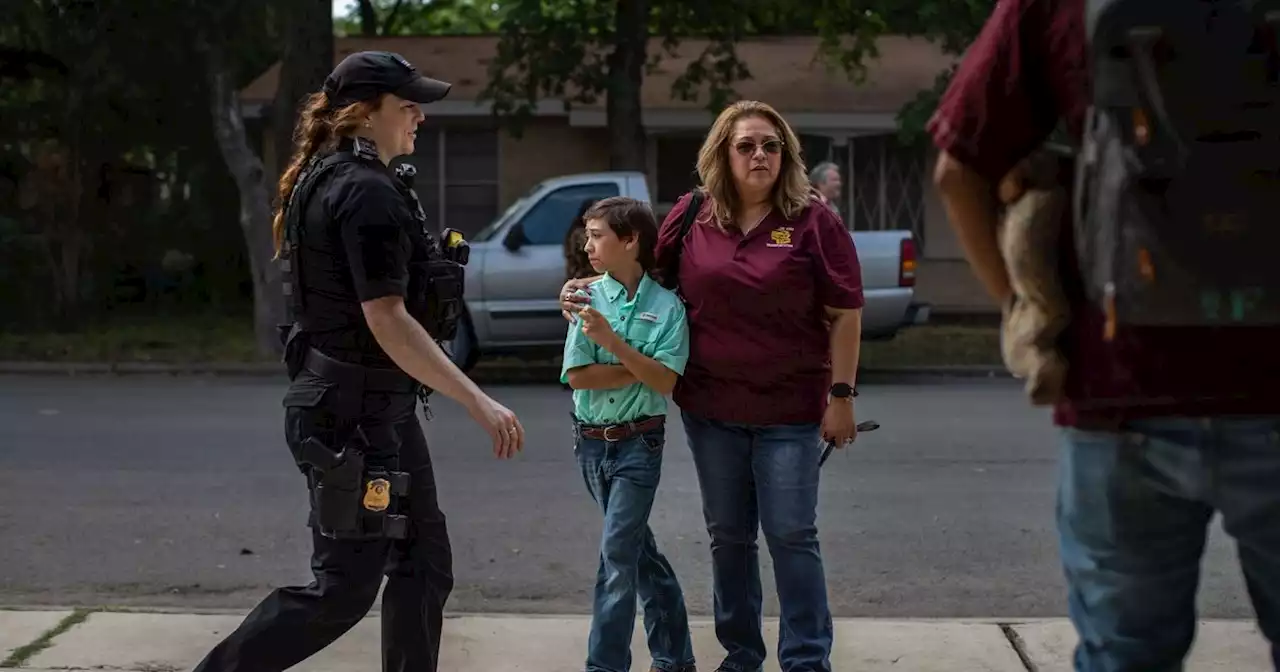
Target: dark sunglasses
(747, 147)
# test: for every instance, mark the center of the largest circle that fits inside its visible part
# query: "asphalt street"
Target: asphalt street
(162, 491)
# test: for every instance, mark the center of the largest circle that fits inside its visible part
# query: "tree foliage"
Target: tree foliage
(569, 49)
(560, 48)
(953, 24)
(107, 162)
(573, 49)
(419, 17)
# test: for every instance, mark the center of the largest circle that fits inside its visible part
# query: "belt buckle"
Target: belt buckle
(608, 431)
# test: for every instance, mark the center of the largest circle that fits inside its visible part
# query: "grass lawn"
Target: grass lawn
(230, 340)
(935, 345)
(164, 340)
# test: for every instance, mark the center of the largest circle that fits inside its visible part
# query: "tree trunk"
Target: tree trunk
(307, 58)
(627, 140)
(52, 192)
(368, 19)
(255, 201)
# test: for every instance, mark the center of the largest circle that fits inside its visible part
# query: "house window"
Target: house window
(815, 149)
(677, 165)
(887, 185)
(466, 198)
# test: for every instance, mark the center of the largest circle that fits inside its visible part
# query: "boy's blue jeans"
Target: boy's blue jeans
(1133, 513)
(622, 477)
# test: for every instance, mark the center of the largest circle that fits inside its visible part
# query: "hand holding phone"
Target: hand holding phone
(864, 426)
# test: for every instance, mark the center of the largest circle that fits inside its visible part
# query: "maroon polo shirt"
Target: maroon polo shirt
(1024, 73)
(759, 346)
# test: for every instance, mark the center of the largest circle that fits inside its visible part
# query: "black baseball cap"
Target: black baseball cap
(365, 75)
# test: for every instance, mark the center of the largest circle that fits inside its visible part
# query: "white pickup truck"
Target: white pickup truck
(517, 268)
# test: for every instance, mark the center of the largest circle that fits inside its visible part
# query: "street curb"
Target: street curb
(376, 611)
(498, 374)
(504, 374)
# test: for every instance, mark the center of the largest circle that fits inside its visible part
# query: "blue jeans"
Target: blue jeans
(622, 477)
(1133, 513)
(763, 477)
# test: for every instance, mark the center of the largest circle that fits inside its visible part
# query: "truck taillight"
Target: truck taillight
(907, 259)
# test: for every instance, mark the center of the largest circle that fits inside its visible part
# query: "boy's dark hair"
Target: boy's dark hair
(628, 217)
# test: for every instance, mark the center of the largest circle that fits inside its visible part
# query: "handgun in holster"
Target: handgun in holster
(351, 500)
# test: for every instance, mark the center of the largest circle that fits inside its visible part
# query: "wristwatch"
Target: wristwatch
(843, 391)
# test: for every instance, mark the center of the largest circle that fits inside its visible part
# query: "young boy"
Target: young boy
(622, 356)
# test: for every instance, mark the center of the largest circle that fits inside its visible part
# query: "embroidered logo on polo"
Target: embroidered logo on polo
(781, 237)
(647, 317)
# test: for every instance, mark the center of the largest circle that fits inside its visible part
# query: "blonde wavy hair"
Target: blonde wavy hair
(318, 129)
(791, 192)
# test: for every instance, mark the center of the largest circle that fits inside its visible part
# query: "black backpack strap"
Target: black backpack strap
(690, 214)
(686, 224)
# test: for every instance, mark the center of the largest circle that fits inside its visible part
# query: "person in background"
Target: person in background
(825, 177)
(576, 263)
(773, 293)
(1160, 427)
(622, 357)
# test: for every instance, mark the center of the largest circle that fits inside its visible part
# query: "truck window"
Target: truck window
(549, 220)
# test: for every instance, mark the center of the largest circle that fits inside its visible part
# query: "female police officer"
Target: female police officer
(353, 244)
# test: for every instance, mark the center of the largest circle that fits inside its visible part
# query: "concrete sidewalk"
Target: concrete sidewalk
(167, 642)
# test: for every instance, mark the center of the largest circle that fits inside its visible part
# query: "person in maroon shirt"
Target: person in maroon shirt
(773, 288)
(1161, 427)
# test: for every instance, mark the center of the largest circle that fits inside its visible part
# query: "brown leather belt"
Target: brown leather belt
(621, 431)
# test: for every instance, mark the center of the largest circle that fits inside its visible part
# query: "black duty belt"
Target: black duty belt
(621, 431)
(357, 376)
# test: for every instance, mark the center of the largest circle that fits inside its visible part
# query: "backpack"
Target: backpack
(1178, 176)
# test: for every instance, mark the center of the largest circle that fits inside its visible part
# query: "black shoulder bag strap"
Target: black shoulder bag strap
(686, 223)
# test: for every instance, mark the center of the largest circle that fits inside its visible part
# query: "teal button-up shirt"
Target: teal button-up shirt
(653, 322)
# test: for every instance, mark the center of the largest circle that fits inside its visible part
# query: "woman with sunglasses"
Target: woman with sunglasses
(773, 291)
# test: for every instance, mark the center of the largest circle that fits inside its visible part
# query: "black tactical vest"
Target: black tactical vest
(436, 273)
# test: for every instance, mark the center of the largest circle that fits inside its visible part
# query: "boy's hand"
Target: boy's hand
(596, 327)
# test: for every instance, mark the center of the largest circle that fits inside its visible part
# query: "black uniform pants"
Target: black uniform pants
(295, 622)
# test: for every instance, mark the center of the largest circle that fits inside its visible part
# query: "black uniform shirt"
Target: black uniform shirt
(356, 245)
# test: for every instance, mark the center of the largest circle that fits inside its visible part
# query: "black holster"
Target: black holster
(349, 499)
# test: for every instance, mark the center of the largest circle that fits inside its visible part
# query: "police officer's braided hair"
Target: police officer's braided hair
(319, 127)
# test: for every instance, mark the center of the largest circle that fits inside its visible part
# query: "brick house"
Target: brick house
(469, 169)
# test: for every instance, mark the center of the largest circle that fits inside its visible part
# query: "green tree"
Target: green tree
(371, 18)
(306, 27)
(102, 107)
(578, 50)
(953, 24)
